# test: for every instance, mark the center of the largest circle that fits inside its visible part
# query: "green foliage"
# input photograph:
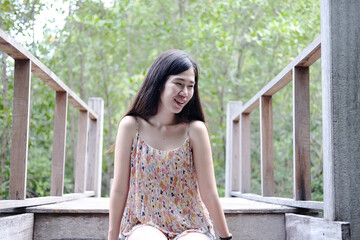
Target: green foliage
(105, 51)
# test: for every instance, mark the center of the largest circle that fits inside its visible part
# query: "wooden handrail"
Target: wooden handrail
(88, 158)
(238, 152)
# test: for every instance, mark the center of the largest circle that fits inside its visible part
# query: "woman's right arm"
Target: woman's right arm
(120, 187)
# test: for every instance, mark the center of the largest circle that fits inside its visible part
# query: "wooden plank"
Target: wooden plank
(81, 152)
(59, 145)
(17, 226)
(267, 147)
(312, 228)
(10, 205)
(306, 58)
(95, 146)
(232, 109)
(245, 148)
(20, 129)
(316, 205)
(301, 134)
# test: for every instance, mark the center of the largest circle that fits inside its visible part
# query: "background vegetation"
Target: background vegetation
(104, 49)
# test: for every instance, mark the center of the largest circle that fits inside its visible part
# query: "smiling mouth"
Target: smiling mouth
(179, 102)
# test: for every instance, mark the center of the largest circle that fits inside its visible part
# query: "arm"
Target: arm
(205, 175)
(120, 187)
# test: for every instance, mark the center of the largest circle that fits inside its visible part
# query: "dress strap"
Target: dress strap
(188, 135)
(137, 127)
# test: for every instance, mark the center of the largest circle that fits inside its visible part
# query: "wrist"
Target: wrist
(229, 237)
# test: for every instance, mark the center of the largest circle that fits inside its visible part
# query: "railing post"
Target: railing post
(81, 152)
(340, 34)
(267, 146)
(245, 148)
(232, 175)
(20, 129)
(95, 147)
(59, 144)
(301, 133)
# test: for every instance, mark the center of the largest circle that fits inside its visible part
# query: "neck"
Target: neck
(163, 118)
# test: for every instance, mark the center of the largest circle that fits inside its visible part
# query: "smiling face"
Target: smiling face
(177, 91)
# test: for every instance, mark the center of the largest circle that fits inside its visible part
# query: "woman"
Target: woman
(164, 185)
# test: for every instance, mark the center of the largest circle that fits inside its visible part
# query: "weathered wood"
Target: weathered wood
(306, 58)
(20, 129)
(340, 32)
(16, 51)
(267, 147)
(301, 133)
(59, 145)
(232, 109)
(95, 147)
(299, 227)
(235, 161)
(10, 205)
(81, 152)
(71, 226)
(245, 148)
(17, 227)
(317, 205)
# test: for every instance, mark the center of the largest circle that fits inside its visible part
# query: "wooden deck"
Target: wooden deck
(87, 218)
(101, 205)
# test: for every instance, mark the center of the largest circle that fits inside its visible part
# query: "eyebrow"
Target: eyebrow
(182, 79)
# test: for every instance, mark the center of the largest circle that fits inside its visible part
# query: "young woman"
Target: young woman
(164, 185)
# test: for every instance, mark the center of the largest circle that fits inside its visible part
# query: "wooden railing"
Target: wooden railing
(89, 143)
(238, 171)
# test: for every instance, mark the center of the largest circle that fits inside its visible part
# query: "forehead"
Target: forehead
(187, 75)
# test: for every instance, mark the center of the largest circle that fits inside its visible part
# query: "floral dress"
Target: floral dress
(163, 192)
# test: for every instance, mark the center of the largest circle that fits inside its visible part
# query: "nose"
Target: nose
(183, 92)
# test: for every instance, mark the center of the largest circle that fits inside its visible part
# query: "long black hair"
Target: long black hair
(168, 63)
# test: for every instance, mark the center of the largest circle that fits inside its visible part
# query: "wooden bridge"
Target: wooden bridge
(84, 214)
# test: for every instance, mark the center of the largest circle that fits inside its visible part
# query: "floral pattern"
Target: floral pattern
(163, 191)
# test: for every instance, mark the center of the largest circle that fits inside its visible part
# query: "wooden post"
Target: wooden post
(81, 152)
(235, 160)
(267, 146)
(245, 148)
(59, 145)
(20, 129)
(340, 46)
(301, 133)
(95, 147)
(232, 108)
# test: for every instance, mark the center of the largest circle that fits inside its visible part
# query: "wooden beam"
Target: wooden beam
(267, 147)
(232, 110)
(95, 147)
(81, 152)
(314, 205)
(235, 161)
(245, 148)
(20, 129)
(306, 58)
(301, 134)
(307, 227)
(18, 226)
(59, 145)
(16, 51)
(340, 33)
(7, 206)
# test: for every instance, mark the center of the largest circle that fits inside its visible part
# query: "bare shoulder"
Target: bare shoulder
(128, 126)
(198, 131)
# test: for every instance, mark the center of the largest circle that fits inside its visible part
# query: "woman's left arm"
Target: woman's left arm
(200, 143)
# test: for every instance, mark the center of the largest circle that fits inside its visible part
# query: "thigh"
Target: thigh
(194, 236)
(146, 232)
